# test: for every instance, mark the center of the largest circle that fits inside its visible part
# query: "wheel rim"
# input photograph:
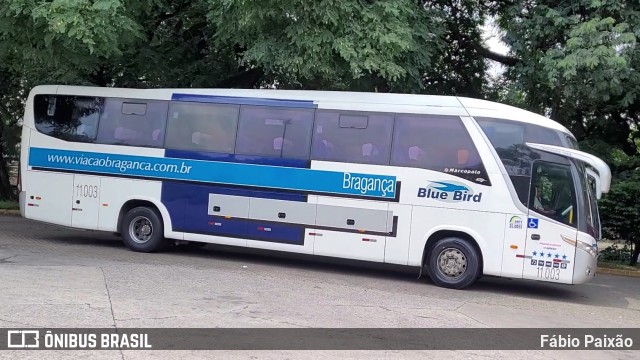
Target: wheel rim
(141, 229)
(452, 262)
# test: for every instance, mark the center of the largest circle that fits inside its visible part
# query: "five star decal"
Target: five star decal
(543, 254)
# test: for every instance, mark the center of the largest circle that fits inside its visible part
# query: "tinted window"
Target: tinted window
(352, 137)
(275, 132)
(438, 143)
(204, 127)
(593, 204)
(509, 138)
(573, 143)
(133, 122)
(72, 118)
(552, 192)
(541, 135)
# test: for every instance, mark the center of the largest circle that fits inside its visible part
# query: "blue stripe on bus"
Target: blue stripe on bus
(273, 178)
(274, 232)
(237, 100)
(190, 200)
(187, 205)
(234, 158)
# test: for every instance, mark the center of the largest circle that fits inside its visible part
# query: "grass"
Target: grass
(9, 205)
(619, 266)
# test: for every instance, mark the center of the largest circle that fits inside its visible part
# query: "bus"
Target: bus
(455, 188)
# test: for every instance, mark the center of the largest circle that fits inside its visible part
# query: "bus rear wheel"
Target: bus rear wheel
(453, 263)
(142, 230)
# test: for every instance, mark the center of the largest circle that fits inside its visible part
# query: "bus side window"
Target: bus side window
(70, 118)
(352, 137)
(274, 131)
(133, 122)
(434, 142)
(202, 127)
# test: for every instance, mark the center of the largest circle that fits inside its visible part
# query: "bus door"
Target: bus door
(552, 218)
(86, 201)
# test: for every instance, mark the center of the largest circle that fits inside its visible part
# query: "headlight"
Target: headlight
(589, 249)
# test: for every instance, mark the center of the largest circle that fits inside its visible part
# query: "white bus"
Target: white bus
(456, 187)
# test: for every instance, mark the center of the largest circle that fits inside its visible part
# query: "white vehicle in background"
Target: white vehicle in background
(457, 187)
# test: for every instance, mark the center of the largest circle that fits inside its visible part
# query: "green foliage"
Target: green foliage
(62, 41)
(9, 205)
(614, 254)
(576, 62)
(330, 43)
(619, 210)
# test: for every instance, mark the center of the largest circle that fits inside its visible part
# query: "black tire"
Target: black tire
(142, 230)
(453, 263)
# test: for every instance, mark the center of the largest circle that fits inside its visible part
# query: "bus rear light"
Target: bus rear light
(514, 246)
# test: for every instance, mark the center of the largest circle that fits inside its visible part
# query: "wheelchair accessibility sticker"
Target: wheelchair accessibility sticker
(532, 223)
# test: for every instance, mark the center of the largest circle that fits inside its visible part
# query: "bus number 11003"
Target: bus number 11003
(88, 191)
(549, 273)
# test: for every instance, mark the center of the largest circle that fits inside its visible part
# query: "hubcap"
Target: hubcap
(141, 229)
(452, 262)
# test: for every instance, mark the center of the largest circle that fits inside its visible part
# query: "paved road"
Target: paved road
(55, 277)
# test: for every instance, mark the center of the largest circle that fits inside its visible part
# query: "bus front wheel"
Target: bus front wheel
(453, 263)
(142, 230)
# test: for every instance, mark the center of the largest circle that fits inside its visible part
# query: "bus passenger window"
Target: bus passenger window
(133, 122)
(202, 127)
(352, 137)
(71, 118)
(274, 131)
(439, 143)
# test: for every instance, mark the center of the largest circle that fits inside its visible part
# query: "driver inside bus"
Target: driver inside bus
(537, 202)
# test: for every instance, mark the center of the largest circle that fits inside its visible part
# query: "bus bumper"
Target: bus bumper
(585, 266)
(22, 197)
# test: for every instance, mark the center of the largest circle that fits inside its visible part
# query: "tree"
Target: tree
(10, 106)
(575, 62)
(619, 212)
(341, 45)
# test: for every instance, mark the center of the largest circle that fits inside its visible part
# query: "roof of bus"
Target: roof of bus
(329, 99)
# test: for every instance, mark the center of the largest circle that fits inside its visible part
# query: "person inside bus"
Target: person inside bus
(324, 148)
(537, 203)
(370, 152)
(415, 154)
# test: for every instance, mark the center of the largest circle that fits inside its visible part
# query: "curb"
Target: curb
(5, 212)
(633, 273)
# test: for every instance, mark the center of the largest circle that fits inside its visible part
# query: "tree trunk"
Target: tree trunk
(6, 193)
(635, 253)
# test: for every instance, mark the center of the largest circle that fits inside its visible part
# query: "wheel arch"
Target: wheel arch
(148, 202)
(466, 234)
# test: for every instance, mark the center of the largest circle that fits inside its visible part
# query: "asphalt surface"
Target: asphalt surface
(57, 277)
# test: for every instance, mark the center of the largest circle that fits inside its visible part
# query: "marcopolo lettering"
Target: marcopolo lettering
(449, 192)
